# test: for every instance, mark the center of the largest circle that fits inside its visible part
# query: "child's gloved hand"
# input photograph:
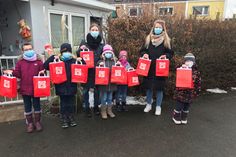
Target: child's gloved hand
(146, 56)
(42, 72)
(101, 64)
(184, 66)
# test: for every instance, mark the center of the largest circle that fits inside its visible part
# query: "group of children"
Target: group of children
(31, 65)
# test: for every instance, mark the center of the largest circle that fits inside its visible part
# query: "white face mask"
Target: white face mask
(189, 63)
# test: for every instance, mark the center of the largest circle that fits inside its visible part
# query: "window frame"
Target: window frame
(139, 11)
(69, 14)
(203, 10)
(166, 7)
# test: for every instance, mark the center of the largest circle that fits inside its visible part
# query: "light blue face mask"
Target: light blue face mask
(158, 30)
(108, 55)
(66, 56)
(29, 53)
(94, 34)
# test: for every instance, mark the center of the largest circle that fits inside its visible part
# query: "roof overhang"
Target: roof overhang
(90, 4)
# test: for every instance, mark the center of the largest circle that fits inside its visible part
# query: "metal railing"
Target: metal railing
(9, 62)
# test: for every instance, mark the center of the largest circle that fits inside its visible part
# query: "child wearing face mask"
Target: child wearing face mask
(66, 90)
(183, 96)
(106, 91)
(121, 92)
(29, 65)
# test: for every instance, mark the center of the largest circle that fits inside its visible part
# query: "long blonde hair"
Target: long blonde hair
(166, 36)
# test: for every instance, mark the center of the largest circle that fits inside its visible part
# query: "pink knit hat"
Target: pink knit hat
(107, 48)
(123, 53)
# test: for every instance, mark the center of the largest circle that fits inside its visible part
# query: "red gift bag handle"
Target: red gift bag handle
(78, 62)
(131, 69)
(102, 65)
(84, 50)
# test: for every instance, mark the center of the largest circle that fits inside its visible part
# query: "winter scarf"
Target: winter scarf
(92, 42)
(157, 39)
(123, 62)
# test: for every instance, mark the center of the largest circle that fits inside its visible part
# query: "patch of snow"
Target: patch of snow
(216, 90)
(233, 88)
(135, 100)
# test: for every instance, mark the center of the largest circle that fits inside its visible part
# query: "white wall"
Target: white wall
(39, 17)
(230, 8)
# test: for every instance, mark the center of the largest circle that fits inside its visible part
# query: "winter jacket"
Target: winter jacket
(25, 71)
(185, 95)
(91, 72)
(65, 88)
(152, 81)
(110, 87)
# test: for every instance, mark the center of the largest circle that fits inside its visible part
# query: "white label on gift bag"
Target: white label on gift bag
(135, 79)
(142, 66)
(86, 57)
(101, 74)
(6, 84)
(78, 72)
(117, 72)
(42, 84)
(58, 70)
(162, 65)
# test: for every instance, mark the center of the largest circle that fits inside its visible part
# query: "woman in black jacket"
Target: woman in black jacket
(94, 44)
(157, 45)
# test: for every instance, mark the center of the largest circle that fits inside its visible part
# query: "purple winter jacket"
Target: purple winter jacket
(25, 71)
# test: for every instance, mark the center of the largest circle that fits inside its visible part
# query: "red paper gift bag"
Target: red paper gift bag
(8, 86)
(79, 73)
(88, 57)
(162, 67)
(57, 72)
(118, 75)
(41, 86)
(102, 76)
(132, 78)
(143, 66)
(184, 78)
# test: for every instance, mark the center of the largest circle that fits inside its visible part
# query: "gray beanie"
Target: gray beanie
(189, 57)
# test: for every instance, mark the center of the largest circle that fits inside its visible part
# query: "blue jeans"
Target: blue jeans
(106, 98)
(86, 97)
(180, 106)
(121, 93)
(67, 104)
(159, 97)
(30, 101)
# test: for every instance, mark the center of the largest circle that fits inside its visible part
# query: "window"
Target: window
(73, 30)
(135, 11)
(165, 11)
(78, 30)
(201, 10)
(58, 35)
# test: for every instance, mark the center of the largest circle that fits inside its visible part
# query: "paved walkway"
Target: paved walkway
(211, 132)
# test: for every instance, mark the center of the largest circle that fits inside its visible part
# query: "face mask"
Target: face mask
(29, 53)
(108, 55)
(94, 34)
(66, 56)
(189, 63)
(158, 31)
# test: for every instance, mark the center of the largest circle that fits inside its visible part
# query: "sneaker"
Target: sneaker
(72, 121)
(148, 108)
(176, 117)
(158, 111)
(64, 123)
(96, 110)
(118, 106)
(184, 116)
(124, 107)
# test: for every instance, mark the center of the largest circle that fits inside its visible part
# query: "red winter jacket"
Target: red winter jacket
(25, 71)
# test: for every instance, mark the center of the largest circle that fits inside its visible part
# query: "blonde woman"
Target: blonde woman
(157, 45)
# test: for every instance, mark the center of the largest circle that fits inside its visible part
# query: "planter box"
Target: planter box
(11, 113)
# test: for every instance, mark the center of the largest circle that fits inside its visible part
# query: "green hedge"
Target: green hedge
(212, 42)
